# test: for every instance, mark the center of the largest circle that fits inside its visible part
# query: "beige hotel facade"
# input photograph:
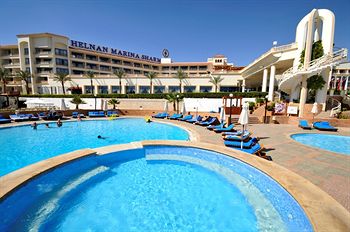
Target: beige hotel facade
(45, 54)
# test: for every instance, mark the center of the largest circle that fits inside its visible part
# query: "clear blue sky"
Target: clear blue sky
(191, 30)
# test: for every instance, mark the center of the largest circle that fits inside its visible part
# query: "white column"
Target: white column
(340, 83)
(303, 95)
(243, 86)
(272, 82)
(264, 83)
(346, 83)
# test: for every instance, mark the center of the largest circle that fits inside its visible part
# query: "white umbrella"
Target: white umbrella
(244, 118)
(166, 107)
(222, 114)
(63, 104)
(314, 111)
(183, 111)
(105, 105)
(102, 103)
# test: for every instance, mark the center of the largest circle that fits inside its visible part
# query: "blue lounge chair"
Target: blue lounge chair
(112, 114)
(246, 144)
(212, 127)
(187, 117)
(229, 128)
(4, 120)
(19, 117)
(175, 116)
(161, 115)
(239, 137)
(32, 117)
(303, 124)
(196, 119)
(203, 120)
(212, 121)
(75, 115)
(236, 133)
(324, 126)
(41, 115)
(96, 114)
(251, 150)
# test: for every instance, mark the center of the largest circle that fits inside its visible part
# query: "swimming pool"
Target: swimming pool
(153, 188)
(334, 143)
(21, 146)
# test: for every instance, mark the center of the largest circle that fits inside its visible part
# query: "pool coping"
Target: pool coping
(324, 212)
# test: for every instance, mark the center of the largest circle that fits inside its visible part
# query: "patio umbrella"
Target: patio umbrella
(222, 114)
(183, 111)
(102, 104)
(314, 111)
(166, 107)
(244, 118)
(105, 105)
(63, 104)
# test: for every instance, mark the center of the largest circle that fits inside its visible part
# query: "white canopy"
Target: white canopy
(314, 109)
(222, 114)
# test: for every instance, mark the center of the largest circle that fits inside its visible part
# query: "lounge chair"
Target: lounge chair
(324, 126)
(95, 114)
(161, 115)
(175, 116)
(238, 137)
(187, 117)
(212, 127)
(41, 115)
(32, 117)
(212, 121)
(75, 115)
(19, 117)
(203, 120)
(4, 120)
(229, 128)
(196, 119)
(236, 133)
(246, 144)
(112, 114)
(303, 124)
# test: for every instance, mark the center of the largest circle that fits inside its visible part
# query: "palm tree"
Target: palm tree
(113, 102)
(180, 75)
(174, 98)
(151, 76)
(91, 76)
(24, 76)
(77, 101)
(62, 77)
(216, 81)
(120, 73)
(4, 77)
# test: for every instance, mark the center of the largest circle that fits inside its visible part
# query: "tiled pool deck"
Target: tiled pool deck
(327, 170)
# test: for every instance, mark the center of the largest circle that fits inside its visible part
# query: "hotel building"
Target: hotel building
(46, 54)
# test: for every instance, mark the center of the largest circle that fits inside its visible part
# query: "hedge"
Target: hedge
(155, 95)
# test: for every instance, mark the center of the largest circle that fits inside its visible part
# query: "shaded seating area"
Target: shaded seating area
(304, 124)
(95, 114)
(4, 120)
(324, 126)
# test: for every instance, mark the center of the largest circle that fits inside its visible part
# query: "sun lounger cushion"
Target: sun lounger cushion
(324, 126)
(187, 117)
(246, 144)
(303, 124)
(229, 128)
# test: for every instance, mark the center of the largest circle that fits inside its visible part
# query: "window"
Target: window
(159, 89)
(26, 51)
(137, 72)
(174, 89)
(62, 70)
(77, 55)
(77, 72)
(104, 59)
(144, 89)
(130, 89)
(89, 57)
(189, 89)
(27, 69)
(115, 89)
(104, 68)
(88, 89)
(205, 89)
(137, 65)
(60, 52)
(27, 61)
(116, 61)
(229, 88)
(103, 89)
(63, 62)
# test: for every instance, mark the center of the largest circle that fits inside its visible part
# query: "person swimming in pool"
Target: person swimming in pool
(34, 125)
(47, 125)
(59, 123)
(100, 137)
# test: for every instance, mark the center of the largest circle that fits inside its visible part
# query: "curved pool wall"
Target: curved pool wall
(334, 143)
(273, 207)
(21, 145)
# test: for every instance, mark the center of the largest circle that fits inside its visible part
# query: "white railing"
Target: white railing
(315, 65)
(337, 109)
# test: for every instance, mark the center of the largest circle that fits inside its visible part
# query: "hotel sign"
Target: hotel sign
(113, 51)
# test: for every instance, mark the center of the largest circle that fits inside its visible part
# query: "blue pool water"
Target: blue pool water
(156, 188)
(21, 146)
(334, 143)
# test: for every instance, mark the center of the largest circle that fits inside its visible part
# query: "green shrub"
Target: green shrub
(260, 100)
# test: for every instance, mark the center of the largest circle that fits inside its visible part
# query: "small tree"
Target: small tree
(216, 81)
(120, 73)
(315, 83)
(91, 76)
(317, 52)
(151, 76)
(77, 101)
(181, 76)
(62, 78)
(113, 102)
(174, 98)
(4, 77)
(24, 76)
